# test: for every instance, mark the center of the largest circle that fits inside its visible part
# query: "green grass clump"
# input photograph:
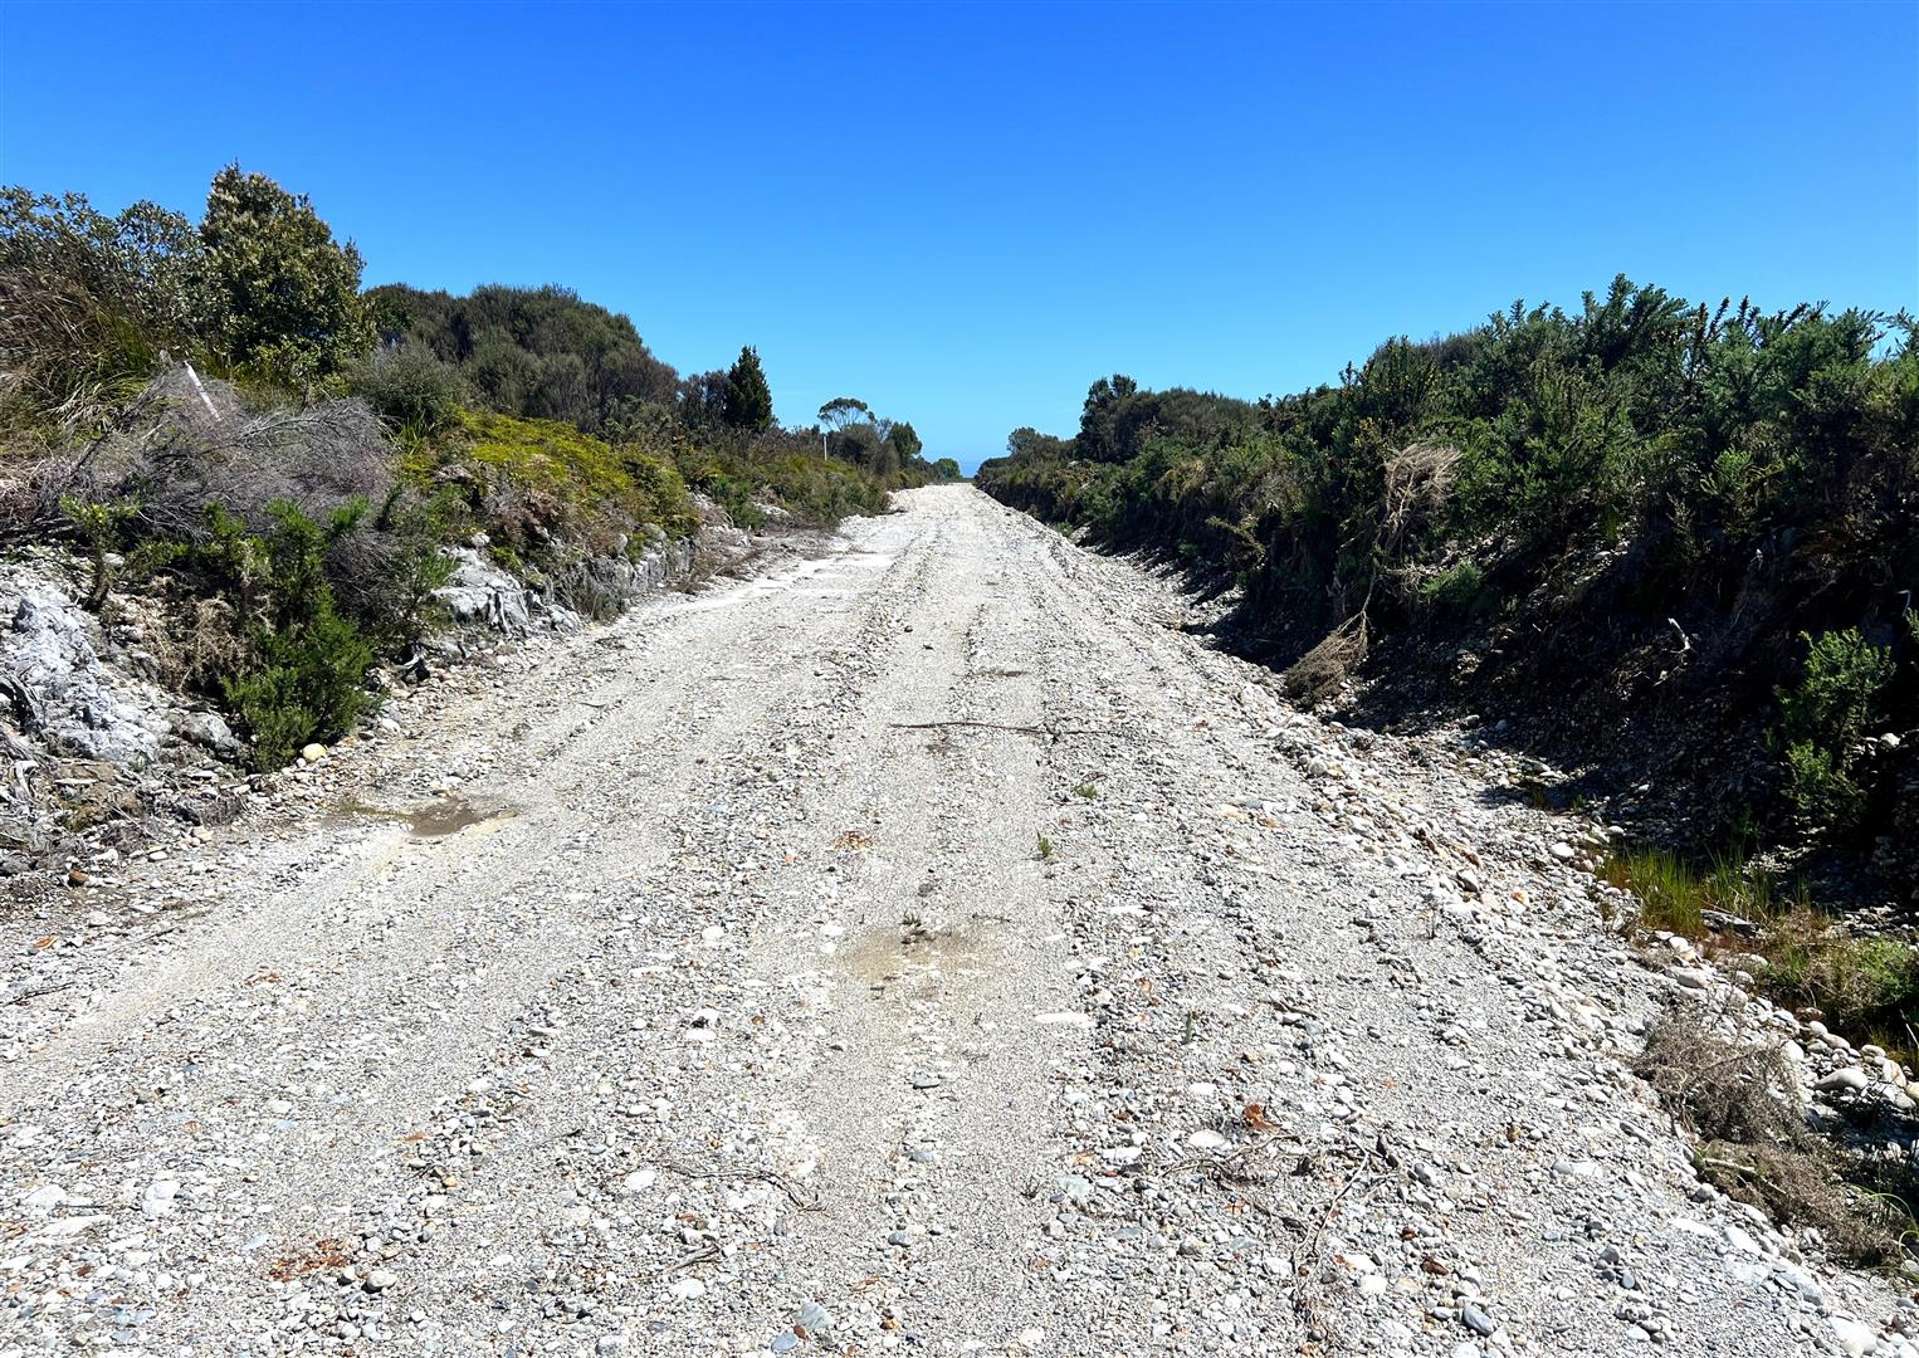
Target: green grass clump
(1861, 985)
(1675, 894)
(1867, 988)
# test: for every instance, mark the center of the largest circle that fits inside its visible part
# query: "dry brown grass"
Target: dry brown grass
(1742, 1101)
(1322, 670)
(1721, 1090)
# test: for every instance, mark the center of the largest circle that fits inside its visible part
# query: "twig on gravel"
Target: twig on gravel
(1306, 1260)
(1052, 732)
(1217, 1164)
(26, 995)
(712, 1254)
(779, 1181)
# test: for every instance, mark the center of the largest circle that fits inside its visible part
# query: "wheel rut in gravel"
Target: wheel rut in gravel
(923, 945)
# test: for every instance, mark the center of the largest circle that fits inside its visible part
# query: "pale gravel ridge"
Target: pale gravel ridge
(763, 1024)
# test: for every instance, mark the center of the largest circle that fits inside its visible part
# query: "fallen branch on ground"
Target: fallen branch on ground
(1054, 732)
(779, 1181)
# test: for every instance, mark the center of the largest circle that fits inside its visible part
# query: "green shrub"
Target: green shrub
(1866, 987)
(1836, 697)
(403, 605)
(98, 524)
(660, 491)
(303, 676)
(1458, 588)
(1823, 716)
(414, 392)
(307, 683)
(815, 490)
(1820, 788)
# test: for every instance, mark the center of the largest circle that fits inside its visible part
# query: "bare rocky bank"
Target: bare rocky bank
(924, 946)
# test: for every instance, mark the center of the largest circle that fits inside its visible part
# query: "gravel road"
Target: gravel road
(922, 945)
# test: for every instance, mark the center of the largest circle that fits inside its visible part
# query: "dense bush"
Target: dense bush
(280, 298)
(542, 353)
(303, 676)
(1637, 506)
(302, 532)
(413, 391)
(307, 677)
(89, 303)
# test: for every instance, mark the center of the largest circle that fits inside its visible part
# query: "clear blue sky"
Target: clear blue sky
(966, 213)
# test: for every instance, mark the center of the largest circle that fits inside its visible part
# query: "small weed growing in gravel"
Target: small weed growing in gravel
(1045, 849)
(1086, 792)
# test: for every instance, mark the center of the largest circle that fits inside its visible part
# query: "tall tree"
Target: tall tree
(841, 411)
(702, 399)
(906, 440)
(282, 296)
(749, 401)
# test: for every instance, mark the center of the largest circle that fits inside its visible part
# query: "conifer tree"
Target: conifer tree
(749, 401)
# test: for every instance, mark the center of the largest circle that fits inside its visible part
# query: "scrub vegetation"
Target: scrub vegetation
(1674, 544)
(215, 413)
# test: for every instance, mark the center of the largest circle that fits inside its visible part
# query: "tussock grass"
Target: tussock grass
(1676, 895)
(1867, 988)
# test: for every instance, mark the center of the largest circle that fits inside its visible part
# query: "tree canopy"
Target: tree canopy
(749, 400)
(280, 294)
(540, 352)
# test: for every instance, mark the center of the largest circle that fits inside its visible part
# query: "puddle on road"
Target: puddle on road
(437, 819)
(909, 952)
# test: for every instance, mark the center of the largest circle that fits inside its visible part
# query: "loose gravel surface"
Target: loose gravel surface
(925, 946)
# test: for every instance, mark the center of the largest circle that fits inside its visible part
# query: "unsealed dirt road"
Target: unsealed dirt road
(925, 946)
